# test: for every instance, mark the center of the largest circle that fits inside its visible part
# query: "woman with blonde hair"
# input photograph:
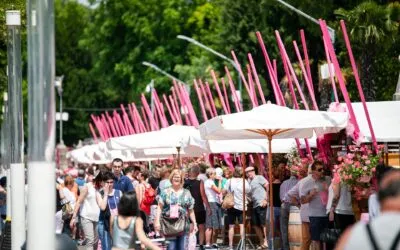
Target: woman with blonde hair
(175, 207)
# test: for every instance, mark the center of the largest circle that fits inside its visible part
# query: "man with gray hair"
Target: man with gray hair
(196, 188)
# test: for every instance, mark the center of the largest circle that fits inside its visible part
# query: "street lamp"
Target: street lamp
(301, 13)
(199, 44)
(58, 84)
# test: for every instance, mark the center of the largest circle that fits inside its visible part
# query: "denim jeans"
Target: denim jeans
(285, 211)
(104, 236)
(178, 243)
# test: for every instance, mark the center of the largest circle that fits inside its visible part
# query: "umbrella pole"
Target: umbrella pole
(244, 208)
(271, 210)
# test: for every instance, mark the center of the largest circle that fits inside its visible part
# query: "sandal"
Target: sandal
(264, 246)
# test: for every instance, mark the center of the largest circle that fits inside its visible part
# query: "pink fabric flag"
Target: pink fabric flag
(127, 122)
(119, 123)
(116, 125)
(233, 91)
(100, 128)
(219, 91)
(93, 132)
(133, 119)
(307, 61)
(198, 92)
(254, 71)
(225, 95)
(358, 82)
(175, 97)
(171, 114)
(193, 118)
(239, 68)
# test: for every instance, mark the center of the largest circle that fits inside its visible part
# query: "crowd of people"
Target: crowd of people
(118, 205)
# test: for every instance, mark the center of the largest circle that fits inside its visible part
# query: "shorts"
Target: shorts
(214, 220)
(317, 225)
(200, 217)
(258, 218)
(234, 214)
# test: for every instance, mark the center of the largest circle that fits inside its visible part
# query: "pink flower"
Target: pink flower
(367, 162)
(340, 158)
(364, 157)
(365, 168)
(373, 169)
(350, 156)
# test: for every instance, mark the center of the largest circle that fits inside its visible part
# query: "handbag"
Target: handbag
(330, 235)
(173, 226)
(67, 211)
(228, 201)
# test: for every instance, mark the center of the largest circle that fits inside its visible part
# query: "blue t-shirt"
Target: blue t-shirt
(80, 181)
(123, 184)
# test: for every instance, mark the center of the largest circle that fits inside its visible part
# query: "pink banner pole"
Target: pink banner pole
(239, 68)
(171, 114)
(123, 129)
(210, 97)
(127, 122)
(139, 119)
(106, 125)
(226, 98)
(93, 132)
(286, 58)
(303, 69)
(219, 91)
(99, 127)
(152, 122)
(270, 68)
(203, 110)
(176, 112)
(116, 124)
(207, 101)
(233, 91)
(307, 61)
(146, 122)
(193, 118)
(253, 68)
(177, 109)
(112, 126)
(251, 85)
(184, 107)
(358, 82)
(133, 119)
(340, 77)
(331, 73)
(163, 119)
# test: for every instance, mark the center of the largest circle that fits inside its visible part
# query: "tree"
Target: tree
(373, 30)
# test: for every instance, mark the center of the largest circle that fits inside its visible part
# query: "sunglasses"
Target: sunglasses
(320, 169)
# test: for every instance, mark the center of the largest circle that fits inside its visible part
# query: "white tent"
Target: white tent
(385, 119)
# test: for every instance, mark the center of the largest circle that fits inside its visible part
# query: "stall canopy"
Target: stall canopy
(385, 118)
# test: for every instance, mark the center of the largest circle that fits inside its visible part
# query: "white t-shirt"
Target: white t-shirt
(212, 196)
(235, 185)
(69, 197)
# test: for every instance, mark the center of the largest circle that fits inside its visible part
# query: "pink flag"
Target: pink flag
(198, 92)
(239, 68)
(93, 132)
(210, 97)
(254, 71)
(171, 114)
(303, 42)
(233, 91)
(225, 95)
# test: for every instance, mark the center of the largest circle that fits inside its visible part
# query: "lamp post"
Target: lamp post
(199, 44)
(16, 131)
(301, 13)
(58, 84)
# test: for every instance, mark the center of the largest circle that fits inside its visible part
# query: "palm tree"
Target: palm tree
(373, 28)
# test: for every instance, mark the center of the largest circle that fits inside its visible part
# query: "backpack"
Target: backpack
(148, 199)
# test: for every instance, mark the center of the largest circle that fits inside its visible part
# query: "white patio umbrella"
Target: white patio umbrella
(270, 122)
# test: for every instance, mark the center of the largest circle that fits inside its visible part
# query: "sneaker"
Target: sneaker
(215, 245)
